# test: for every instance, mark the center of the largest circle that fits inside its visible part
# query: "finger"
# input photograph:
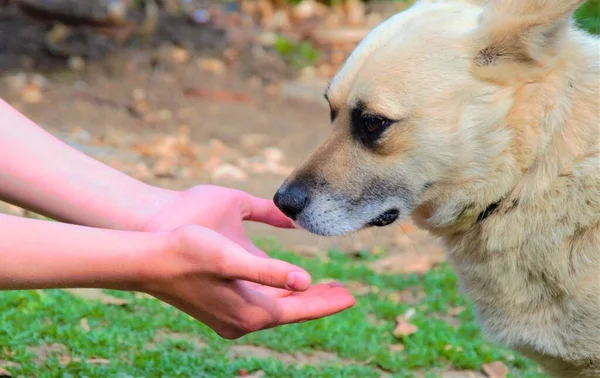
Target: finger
(272, 292)
(315, 303)
(265, 271)
(248, 246)
(263, 210)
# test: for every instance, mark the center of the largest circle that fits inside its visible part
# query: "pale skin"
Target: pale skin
(188, 248)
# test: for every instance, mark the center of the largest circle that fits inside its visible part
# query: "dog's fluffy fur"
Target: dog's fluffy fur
(492, 143)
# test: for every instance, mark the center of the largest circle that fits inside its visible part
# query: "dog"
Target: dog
(480, 120)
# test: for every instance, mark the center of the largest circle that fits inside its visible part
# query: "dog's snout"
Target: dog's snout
(291, 200)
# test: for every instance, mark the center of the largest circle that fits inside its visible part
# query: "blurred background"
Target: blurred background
(182, 92)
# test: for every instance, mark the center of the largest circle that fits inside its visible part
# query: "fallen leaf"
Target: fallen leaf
(495, 370)
(274, 155)
(76, 63)
(308, 9)
(256, 374)
(455, 311)
(326, 280)
(31, 94)
(359, 288)
(44, 351)
(308, 251)
(98, 361)
(397, 348)
(179, 55)
(403, 327)
(98, 295)
(228, 171)
(217, 95)
(66, 360)
(462, 374)
(341, 35)
(85, 325)
(407, 296)
(214, 66)
(9, 364)
(355, 12)
(407, 263)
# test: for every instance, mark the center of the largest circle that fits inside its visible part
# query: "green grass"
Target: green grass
(127, 336)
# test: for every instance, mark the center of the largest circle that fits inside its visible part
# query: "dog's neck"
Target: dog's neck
(543, 124)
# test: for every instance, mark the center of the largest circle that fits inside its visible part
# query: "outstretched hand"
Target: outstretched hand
(220, 209)
(234, 292)
(217, 275)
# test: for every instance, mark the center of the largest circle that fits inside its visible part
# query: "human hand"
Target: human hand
(220, 209)
(216, 281)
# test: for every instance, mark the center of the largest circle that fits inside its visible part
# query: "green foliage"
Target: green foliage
(588, 16)
(297, 54)
(130, 336)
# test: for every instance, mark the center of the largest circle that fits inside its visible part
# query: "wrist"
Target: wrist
(147, 208)
(158, 265)
(160, 211)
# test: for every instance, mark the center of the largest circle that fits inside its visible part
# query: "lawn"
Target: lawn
(57, 334)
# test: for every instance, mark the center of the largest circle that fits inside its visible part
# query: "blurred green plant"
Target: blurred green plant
(297, 54)
(588, 16)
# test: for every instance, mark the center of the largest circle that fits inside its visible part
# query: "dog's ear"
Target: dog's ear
(519, 39)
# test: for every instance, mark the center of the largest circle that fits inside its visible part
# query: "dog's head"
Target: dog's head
(420, 107)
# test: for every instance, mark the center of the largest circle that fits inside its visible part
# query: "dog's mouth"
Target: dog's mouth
(385, 218)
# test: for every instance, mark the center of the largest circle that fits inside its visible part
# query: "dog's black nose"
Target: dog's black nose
(291, 200)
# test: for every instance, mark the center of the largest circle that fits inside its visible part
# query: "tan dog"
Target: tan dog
(480, 119)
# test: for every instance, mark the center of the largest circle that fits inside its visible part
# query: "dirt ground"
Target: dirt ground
(176, 118)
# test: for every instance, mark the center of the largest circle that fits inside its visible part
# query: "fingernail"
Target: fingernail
(298, 281)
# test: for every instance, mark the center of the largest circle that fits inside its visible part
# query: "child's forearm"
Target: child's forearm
(38, 254)
(42, 174)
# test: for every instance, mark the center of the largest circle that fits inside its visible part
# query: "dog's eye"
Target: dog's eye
(374, 124)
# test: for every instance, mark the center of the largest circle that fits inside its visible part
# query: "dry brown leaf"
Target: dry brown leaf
(410, 296)
(228, 171)
(98, 295)
(495, 370)
(256, 374)
(85, 325)
(217, 95)
(455, 311)
(9, 364)
(462, 374)
(31, 94)
(44, 351)
(66, 359)
(210, 65)
(98, 361)
(359, 288)
(355, 12)
(179, 55)
(410, 262)
(307, 9)
(396, 348)
(308, 251)
(403, 327)
(326, 280)
(341, 35)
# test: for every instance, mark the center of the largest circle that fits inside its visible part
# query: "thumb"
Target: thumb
(268, 271)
